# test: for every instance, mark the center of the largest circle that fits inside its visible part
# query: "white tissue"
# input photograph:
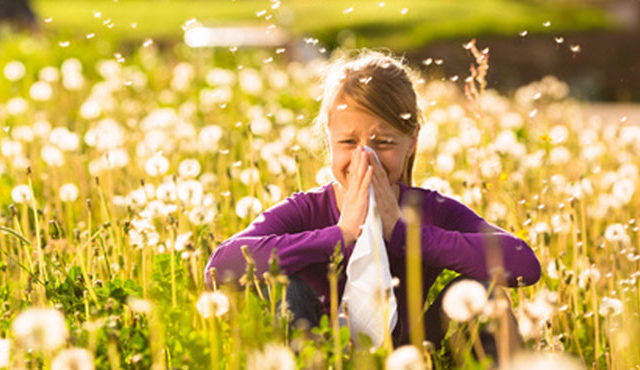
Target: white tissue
(369, 280)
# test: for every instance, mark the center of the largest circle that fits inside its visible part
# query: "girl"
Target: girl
(369, 100)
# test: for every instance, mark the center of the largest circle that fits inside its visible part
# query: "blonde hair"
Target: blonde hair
(378, 83)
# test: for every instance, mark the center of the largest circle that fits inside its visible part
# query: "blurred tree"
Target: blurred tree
(17, 12)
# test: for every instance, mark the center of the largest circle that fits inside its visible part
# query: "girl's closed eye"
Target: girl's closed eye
(347, 141)
(384, 142)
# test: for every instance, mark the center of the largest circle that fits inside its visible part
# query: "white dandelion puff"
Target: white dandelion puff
(40, 329)
(464, 299)
(272, 357)
(21, 194)
(156, 165)
(140, 305)
(73, 359)
(68, 192)
(5, 352)
(189, 168)
(610, 307)
(212, 304)
(14, 70)
(248, 205)
(406, 357)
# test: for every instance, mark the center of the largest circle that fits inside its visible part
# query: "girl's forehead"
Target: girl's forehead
(354, 121)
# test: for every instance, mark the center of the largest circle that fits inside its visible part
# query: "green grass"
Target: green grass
(372, 25)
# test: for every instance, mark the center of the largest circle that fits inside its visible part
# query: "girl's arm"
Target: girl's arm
(464, 242)
(280, 227)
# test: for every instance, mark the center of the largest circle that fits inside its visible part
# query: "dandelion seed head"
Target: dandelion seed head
(68, 192)
(464, 299)
(73, 359)
(5, 352)
(21, 194)
(157, 165)
(248, 205)
(212, 304)
(14, 70)
(272, 357)
(40, 329)
(405, 357)
(139, 305)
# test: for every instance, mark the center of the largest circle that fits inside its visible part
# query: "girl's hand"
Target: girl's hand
(355, 198)
(386, 198)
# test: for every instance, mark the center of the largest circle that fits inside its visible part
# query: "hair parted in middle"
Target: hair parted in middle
(378, 83)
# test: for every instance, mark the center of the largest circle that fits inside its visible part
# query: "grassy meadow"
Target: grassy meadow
(399, 25)
(120, 171)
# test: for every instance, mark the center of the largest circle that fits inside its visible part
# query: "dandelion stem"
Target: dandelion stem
(414, 274)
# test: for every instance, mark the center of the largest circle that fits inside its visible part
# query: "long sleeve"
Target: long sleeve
(456, 238)
(294, 227)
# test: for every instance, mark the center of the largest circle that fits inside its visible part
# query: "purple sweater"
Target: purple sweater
(303, 230)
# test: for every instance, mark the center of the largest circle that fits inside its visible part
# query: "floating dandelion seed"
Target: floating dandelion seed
(280, 50)
(97, 14)
(404, 11)
(523, 33)
(427, 61)
(347, 11)
(454, 78)
(134, 25)
(48, 20)
(559, 39)
(365, 80)
(575, 48)
(546, 24)
(405, 116)
(322, 50)
(268, 60)
(147, 43)
(233, 49)
(533, 113)
(260, 13)
(341, 107)
(439, 62)
(468, 45)
(64, 44)
(537, 96)
(311, 40)
(90, 35)
(275, 5)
